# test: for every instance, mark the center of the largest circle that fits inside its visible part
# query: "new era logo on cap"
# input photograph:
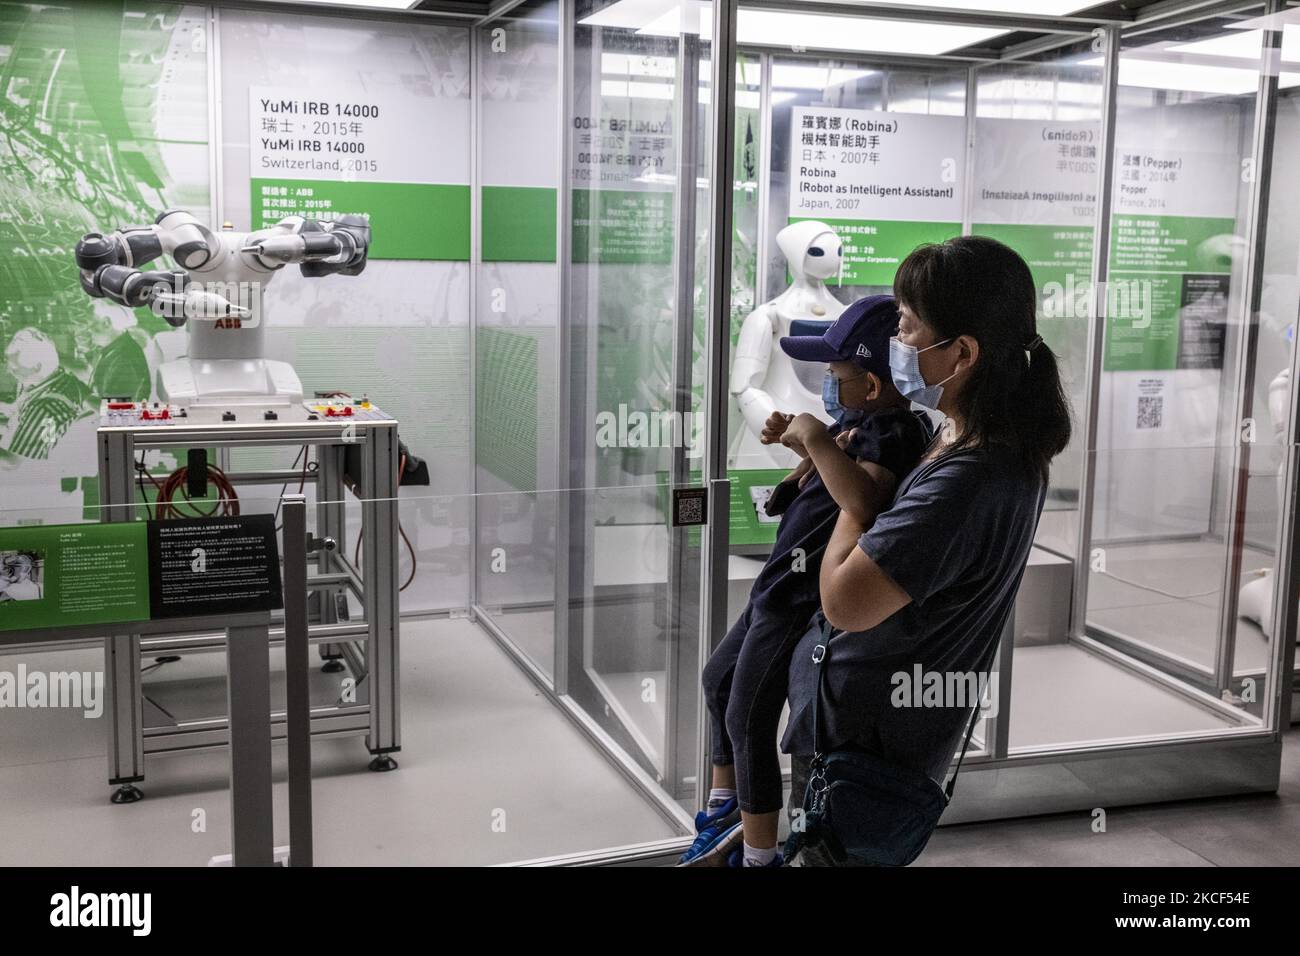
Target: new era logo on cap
(863, 352)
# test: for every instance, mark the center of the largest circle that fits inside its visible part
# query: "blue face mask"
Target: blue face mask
(905, 369)
(846, 417)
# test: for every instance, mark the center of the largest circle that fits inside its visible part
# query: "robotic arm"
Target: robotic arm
(323, 248)
(109, 268)
(110, 263)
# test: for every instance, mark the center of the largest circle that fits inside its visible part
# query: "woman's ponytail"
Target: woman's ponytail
(1043, 404)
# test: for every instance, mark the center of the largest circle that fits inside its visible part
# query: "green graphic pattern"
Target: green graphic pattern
(75, 158)
(506, 406)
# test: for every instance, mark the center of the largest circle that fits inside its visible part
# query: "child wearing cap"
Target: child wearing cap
(854, 464)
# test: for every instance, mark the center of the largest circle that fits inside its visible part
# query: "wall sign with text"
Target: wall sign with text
(886, 182)
(323, 153)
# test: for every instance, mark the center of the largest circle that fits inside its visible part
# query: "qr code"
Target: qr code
(689, 509)
(1150, 411)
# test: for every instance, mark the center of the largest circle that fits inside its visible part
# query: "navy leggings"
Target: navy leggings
(745, 689)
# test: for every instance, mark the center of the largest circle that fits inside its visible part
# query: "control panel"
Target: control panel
(335, 409)
(126, 413)
(123, 411)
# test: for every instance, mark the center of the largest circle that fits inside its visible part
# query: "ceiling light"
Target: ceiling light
(1194, 78)
(789, 29)
(377, 4)
(1047, 8)
(1242, 44)
(794, 76)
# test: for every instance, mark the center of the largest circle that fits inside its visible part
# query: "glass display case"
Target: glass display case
(557, 336)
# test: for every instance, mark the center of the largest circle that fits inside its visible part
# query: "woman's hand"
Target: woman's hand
(774, 428)
(801, 431)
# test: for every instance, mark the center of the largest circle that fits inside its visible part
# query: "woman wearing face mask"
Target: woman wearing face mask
(855, 465)
(931, 582)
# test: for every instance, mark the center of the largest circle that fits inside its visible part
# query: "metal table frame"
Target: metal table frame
(376, 663)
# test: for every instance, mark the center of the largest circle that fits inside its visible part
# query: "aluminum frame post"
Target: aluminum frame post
(297, 688)
(715, 541)
(1247, 340)
(379, 546)
(248, 702)
(1096, 330)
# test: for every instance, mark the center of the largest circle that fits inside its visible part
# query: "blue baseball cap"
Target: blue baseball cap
(860, 335)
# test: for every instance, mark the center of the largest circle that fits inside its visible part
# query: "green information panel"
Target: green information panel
(622, 226)
(408, 220)
(873, 250)
(749, 490)
(60, 576)
(1173, 271)
(66, 575)
(1060, 259)
(518, 224)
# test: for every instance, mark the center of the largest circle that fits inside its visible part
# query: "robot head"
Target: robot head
(31, 357)
(812, 249)
(16, 567)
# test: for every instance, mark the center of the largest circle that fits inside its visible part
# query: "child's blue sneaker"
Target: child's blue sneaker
(719, 832)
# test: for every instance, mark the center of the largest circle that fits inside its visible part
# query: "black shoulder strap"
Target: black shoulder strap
(974, 719)
(819, 658)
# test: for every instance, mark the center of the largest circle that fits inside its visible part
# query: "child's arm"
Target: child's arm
(861, 489)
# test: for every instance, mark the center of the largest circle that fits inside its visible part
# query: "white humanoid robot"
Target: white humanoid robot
(218, 287)
(763, 378)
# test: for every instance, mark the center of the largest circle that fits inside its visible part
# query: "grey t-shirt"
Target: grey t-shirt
(956, 539)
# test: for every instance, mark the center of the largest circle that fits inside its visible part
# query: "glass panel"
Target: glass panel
(1035, 180)
(809, 98)
(1272, 397)
(1171, 435)
(640, 128)
(400, 331)
(516, 336)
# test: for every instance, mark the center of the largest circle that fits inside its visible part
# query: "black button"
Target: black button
(227, 416)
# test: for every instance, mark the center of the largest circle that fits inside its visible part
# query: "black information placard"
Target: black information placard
(1203, 321)
(205, 566)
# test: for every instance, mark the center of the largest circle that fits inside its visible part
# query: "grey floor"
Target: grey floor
(1262, 830)
(490, 773)
(1099, 701)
